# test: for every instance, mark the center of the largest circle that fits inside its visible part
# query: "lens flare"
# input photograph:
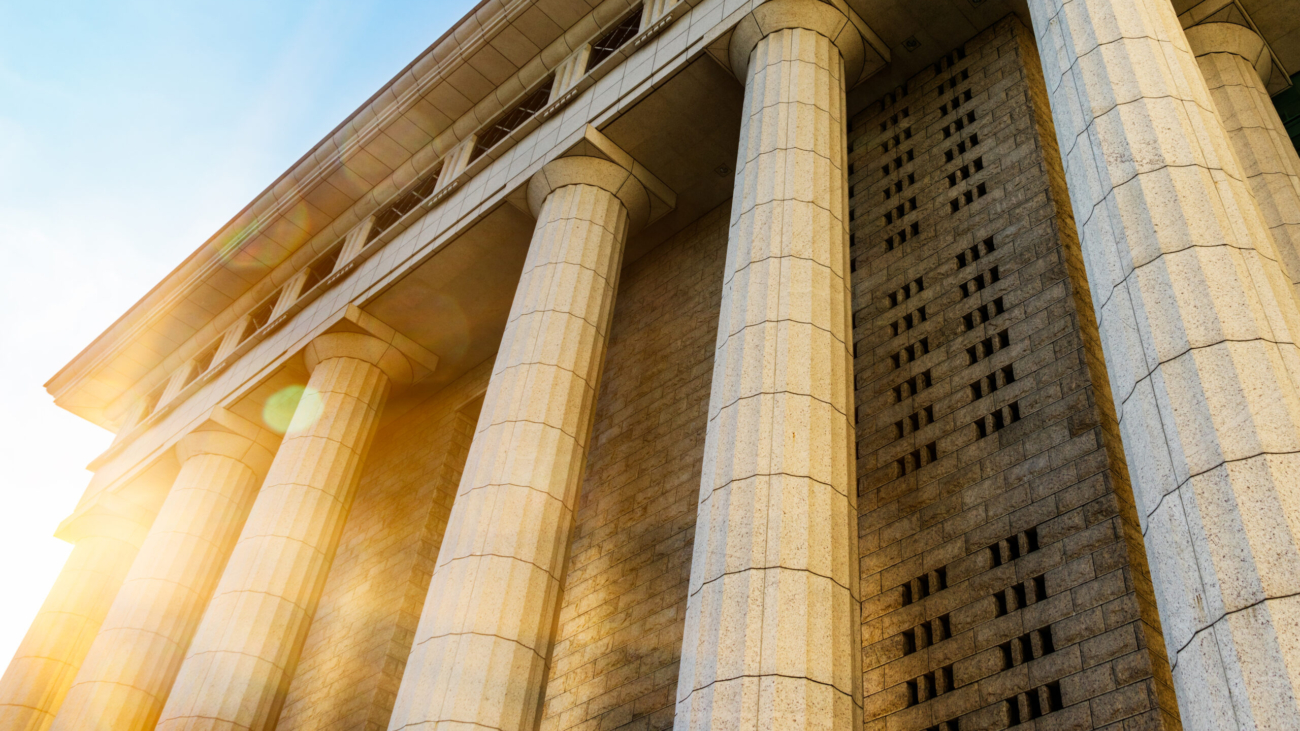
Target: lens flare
(292, 409)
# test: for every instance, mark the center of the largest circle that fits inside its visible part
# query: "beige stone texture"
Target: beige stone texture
(619, 639)
(356, 649)
(480, 652)
(1237, 66)
(655, 10)
(772, 632)
(570, 72)
(244, 653)
(1002, 563)
(37, 679)
(455, 162)
(130, 668)
(1197, 325)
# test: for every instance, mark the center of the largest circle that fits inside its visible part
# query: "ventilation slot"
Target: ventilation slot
(976, 252)
(912, 386)
(988, 346)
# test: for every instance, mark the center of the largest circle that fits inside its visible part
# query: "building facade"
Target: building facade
(722, 364)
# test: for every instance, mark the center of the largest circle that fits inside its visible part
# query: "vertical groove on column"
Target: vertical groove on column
(1196, 322)
(1264, 151)
(481, 648)
(239, 665)
(772, 619)
(55, 645)
(134, 660)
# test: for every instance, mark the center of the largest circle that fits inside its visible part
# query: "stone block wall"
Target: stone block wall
(356, 649)
(1002, 567)
(1003, 576)
(619, 632)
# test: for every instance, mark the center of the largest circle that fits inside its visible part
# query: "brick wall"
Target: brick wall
(1003, 575)
(358, 643)
(620, 626)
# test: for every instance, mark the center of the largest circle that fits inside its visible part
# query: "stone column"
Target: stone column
(238, 667)
(132, 663)
(480, 650)
(1194, 313)
(107, 538)
(772, 637)
(1236, 65)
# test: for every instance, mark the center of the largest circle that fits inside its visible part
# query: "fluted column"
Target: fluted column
(130, 668)
(1236, 65)
(238, 667)
(479, 656)
(33, 688)
(1197, 328)
(773, 618)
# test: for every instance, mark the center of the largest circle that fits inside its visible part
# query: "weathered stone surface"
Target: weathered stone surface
(244, 653)
(619, 634)
(999, 579)
(37, 679)
(356, 649)
(480, 651)
(1198, 328)
(131, 666)
(1232, 58)
(771, 624)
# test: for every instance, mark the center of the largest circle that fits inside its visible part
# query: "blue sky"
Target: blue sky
(130, 131)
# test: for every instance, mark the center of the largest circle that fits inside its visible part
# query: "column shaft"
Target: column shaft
(134, 660)
(238, 668)
(38, 678)
(1263, 149)
(773, 618)
(1197, 327)
(485, 633)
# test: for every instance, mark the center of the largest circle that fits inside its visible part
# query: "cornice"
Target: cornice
(441, 58)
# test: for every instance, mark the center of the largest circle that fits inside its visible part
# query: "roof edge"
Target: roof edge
(227, 234)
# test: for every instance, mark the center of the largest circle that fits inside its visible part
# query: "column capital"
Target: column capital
(595, 160)
(362, 347)
(1237, 40)
(358, 334)
(863, 51)
(228, 435)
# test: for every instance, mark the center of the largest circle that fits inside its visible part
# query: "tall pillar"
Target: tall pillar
(107, 538)
(772, 637)
(238, 667)
(1236, 65)
(1194, 313)
(480, 651)
(129, 670)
